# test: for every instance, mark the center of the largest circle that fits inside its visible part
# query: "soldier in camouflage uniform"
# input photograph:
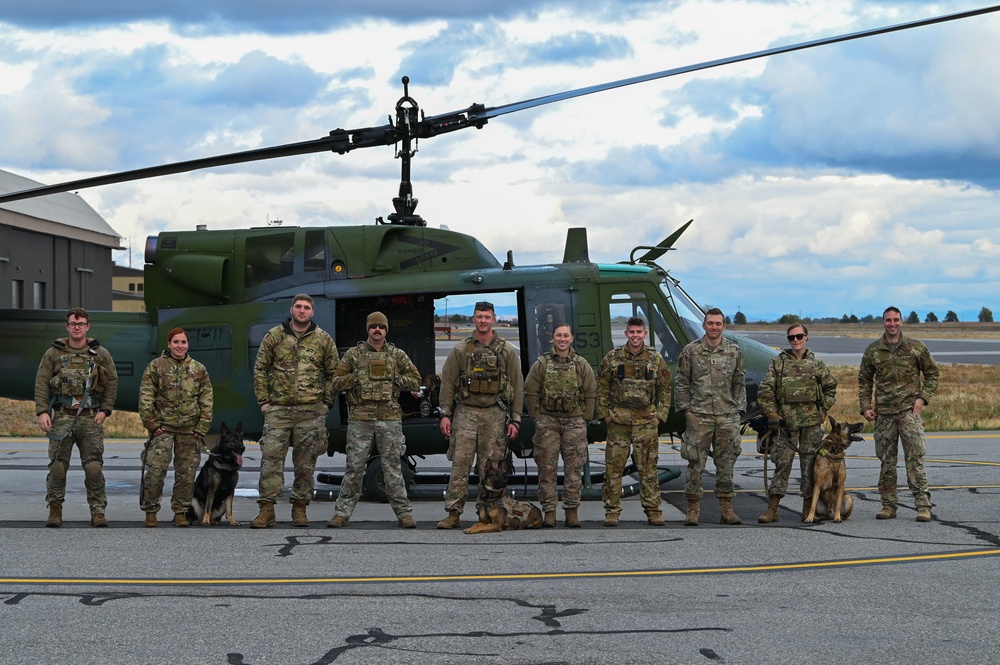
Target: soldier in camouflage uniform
(559, 395)
(905, 378)
(77, 380)
(710, 389)
(373, 373)
(800, 389)
(293, 382)
(633, 397)
(482, 394)
(175, 406)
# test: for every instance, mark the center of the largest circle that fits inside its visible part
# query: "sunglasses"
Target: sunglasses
(381, 326)
(796, 337)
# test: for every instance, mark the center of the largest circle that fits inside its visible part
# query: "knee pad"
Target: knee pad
(58, 470)
(92, 470)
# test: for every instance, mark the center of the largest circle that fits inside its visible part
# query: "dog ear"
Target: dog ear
(239, 429)
(833, 424)
(488, 466)
(223, 429)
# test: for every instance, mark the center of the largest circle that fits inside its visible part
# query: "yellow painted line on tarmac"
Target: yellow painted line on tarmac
(509, 576)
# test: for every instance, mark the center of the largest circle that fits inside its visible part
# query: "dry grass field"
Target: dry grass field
(967, 400)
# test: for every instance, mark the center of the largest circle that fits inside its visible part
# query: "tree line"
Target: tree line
(985, 316)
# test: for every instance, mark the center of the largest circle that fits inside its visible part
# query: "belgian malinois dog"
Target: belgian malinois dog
(830, 473)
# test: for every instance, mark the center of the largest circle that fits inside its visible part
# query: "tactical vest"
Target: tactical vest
(798, 386)
(484, 373)
(634, 386)
(561, 390)
(375, 378)
(77, 374)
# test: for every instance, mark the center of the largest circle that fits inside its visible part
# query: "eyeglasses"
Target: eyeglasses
(380, 326)
(798, 337)
(83, 324)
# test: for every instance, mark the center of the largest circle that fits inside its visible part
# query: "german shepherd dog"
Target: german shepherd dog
(216, 483)
(499, 512)
(830, 473)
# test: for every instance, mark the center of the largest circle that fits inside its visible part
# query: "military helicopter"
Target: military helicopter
(227, 288)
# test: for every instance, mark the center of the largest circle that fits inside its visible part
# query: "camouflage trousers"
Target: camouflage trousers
(807, 440)
(908, 428)
(304, 429)
(555, 436)
(644, 441)
(390, 443)
(720, 435)
(476, 432)
(186, 456)
(89, 438)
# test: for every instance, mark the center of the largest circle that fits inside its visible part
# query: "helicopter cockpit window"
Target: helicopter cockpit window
(623, 306)
(315, 256)
(688, 312)
(269, 257)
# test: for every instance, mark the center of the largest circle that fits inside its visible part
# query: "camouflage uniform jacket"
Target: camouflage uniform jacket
(710, 380)
(800, 391)
(295, 369)
(896, 375)
(539, 399)
(176, 395)
(458, 386)
(64, 371)
(633, 389)
(373, 380)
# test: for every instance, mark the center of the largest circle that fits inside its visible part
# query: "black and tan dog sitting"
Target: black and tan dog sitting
(830, 498)
(216, 482)
(499, 512)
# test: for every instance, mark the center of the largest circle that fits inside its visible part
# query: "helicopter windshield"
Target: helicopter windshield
(688, 312)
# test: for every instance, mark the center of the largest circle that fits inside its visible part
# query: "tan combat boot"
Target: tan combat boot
(572, 518)
(338, 521)
(924, 514)
(407, 522)
(887, 513)
(726, 507)
(772, 511)
(55, 515)
(299, 517)
(265, 518)
(610, 519)
(549, 521)
(655, 518)
(453, 520)
(694, 512)
(98, 520)
(150, 522)
(181, 519)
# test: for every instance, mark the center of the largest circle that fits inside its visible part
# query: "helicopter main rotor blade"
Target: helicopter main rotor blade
(589, 90)
(477, 115)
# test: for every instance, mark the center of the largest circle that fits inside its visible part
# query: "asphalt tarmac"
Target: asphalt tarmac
(848, 350)
(862, 591)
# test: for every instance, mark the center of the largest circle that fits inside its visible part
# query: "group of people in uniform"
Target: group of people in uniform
(298, 374)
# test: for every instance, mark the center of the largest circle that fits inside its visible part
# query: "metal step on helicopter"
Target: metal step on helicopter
(227, 288)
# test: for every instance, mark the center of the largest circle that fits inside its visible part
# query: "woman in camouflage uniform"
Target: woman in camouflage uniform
(799, 389)
(559, 394)
(175, 405)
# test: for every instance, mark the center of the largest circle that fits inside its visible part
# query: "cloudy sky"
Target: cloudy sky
(831, 181)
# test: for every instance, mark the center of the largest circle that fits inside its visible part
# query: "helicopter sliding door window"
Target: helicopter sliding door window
(546, 308)
(269, 256)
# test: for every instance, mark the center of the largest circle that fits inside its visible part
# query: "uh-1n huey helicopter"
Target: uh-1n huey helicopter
(227, 288)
